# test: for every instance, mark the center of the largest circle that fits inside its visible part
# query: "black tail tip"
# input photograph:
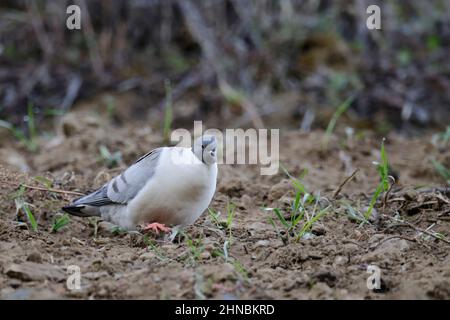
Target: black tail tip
(74, 210)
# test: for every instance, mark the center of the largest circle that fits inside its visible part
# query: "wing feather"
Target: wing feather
(124, 187)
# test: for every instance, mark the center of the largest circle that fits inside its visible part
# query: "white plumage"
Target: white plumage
(171, 186)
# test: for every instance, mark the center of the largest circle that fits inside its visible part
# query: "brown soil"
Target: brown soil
(329, 264)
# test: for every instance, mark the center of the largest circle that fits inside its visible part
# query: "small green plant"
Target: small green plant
(93, 221)
(18, 194)
(31, 125)
(443, 137)
(231, 210)
(44, 181)
(226, 223)
(214, 217)
(223, 252)
(28, 140)
(60, 222)
(231, 95)
(332, 124)
(111, 108)
(305, 207)
(154, 248)
(433, 42)
(168, 112)
(354, 214)
(196, 247)
(21, 204)
(239, 267)
(383, 186)
(442, 170)
(53, 112)
(30, 216)
(225, 255)
(116, 230)
(177, 61)
(404, 57)
(111, 160)
(313, 219)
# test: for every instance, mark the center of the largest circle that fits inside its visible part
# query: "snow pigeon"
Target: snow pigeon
(167, 187)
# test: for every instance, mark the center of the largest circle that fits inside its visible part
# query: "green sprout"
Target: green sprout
(28, 140)
(214, 217)
(305, 207)
(442, 170)
(21, 204)
(168, 112)
(383, 186)
(332, 124)
(110, 159)
(60, 222)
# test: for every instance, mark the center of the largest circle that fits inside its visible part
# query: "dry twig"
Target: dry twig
(406, 223)
(53, 190)
(338, 190)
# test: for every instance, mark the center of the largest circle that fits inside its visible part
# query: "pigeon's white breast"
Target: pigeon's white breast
(178, 193)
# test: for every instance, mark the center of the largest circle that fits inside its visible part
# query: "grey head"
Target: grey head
(205, 149)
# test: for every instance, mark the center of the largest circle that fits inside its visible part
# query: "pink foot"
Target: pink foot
(156, 227)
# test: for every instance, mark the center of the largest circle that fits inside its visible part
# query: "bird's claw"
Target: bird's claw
(156, 227)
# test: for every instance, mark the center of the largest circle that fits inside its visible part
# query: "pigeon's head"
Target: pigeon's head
(205, 149)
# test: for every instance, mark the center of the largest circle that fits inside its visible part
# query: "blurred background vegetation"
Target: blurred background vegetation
(232, 63)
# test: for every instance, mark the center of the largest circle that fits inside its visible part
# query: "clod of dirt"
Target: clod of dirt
(95, 275)
(318, 230)
(35, 257)
(220, 273)
(321, 290)
(390, 249)
(327, 276)
(245, 202)
(279, 190)
(75, 122)
(232, 188)
(31, 271)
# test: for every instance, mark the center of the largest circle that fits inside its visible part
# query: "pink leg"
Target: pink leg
(156, 227)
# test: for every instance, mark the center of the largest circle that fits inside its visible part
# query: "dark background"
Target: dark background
(232, 63)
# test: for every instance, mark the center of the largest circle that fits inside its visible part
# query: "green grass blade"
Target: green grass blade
(168, 111)
(374, 199)
(383, 169)
(30, 217)
(298, 218)
(60, 223)
(442, 170)
(281, 218)
(332, 124)
(310, 222)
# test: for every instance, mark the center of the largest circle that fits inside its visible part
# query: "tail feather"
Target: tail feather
(82, 210)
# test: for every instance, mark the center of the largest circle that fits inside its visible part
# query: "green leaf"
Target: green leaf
(433, 42)
(442, 170)
(332, 124)
(281, 218)
(60, 222)
(30, 217)
(383, 169)
(375, 196)
(311, 221)
(168, 113)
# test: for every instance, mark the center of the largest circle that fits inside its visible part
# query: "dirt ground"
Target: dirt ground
(258, 262)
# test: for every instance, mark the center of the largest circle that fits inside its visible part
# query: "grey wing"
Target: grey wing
(123, 188)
